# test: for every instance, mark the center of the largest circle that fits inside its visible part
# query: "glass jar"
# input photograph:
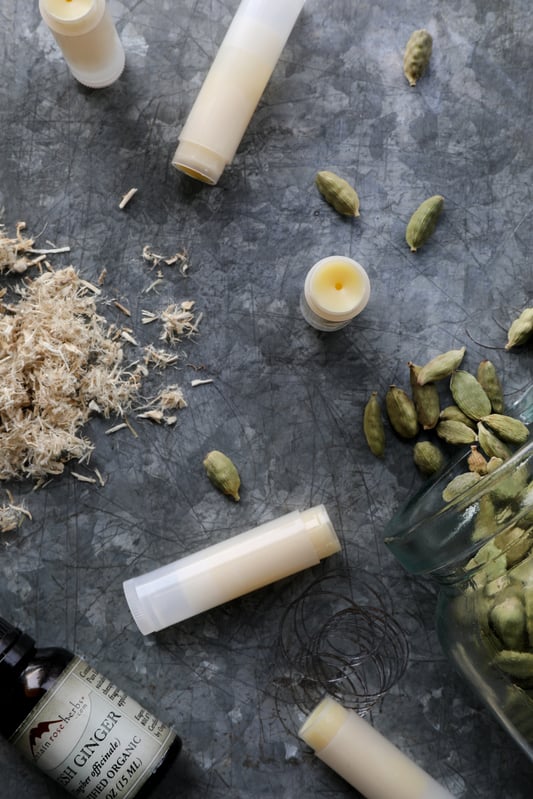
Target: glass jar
(479, 547)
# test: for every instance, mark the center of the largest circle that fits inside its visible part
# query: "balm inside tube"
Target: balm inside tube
(238, 76)
(86, 35)
(365, 758)
(336, 289)
(230, 568)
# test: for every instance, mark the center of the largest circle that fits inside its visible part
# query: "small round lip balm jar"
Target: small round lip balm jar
(336, 289)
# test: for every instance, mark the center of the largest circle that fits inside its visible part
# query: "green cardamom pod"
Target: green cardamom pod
(488, 378)
(460, 484)
(491, 444)
(507, 427)
(485, 519)
(223, 473)
(338, 193)
(441, 366)
(426, 399)
(510, 488)
(427, 457)
(401, 412)
(508, 620)
(516, 664)
(423, 222)
(456, 433)
(373, 426)
(455, 414)
(515, 543)
(469, 395)
(494, 463)
(417, 55)
(520, 330)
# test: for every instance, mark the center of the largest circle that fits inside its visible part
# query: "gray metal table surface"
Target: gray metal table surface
(285, 401)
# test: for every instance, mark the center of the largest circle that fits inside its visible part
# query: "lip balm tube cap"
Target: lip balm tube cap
(230, 568)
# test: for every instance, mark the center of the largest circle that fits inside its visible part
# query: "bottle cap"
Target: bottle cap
(14, 644)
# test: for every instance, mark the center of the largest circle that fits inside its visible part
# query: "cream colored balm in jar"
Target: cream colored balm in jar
(336, 290)
(86, 35)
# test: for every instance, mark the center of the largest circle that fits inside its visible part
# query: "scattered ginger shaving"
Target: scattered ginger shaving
(178, 321)
(57, 365)
(155, 259)
(12, 516)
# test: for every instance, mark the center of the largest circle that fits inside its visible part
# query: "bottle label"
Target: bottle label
(92, 738)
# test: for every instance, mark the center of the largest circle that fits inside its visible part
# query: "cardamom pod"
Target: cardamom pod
(417, 54)
(508, 620)
(401, 412)
(507, 427)
(516, 664)
(338, 193)
(223, 473)
(469, 395)
(520, 329)
(373, 426)
(491, 444)
(455, 414)
(427, 457)
(485, 519)
(426, 399)
(476, 461)
(489, 380)
(508, 489)
(515, 543)
(423, 222)
(459, 484)
(456, 432)
(441, 366)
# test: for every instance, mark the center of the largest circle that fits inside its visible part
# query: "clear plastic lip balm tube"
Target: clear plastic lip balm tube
(233, 87)
(365, 758)
(231, 568)
(87, 37)
(336, 289)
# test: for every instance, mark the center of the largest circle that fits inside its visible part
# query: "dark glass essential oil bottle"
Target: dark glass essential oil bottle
(75, 725)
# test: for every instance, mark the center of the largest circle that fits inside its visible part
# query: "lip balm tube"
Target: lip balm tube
(230, 568)
(335, 290)
(86, 35)
(234, 85)
(365, 758)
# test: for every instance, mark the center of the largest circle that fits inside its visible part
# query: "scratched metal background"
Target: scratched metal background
(285, 402)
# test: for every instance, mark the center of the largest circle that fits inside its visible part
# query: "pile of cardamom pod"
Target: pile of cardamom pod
(476, 416)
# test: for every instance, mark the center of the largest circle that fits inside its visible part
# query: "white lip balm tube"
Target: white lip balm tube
(336, 289)
(86, 35)
(233, 87)
(365, 758)
(230, 568)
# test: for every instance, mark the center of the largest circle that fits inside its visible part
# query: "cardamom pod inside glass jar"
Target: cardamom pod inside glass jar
(479, 547)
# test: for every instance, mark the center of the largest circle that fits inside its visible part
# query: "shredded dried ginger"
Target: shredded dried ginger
(58, 365)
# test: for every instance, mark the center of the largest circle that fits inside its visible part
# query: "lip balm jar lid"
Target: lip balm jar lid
(329, 313)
